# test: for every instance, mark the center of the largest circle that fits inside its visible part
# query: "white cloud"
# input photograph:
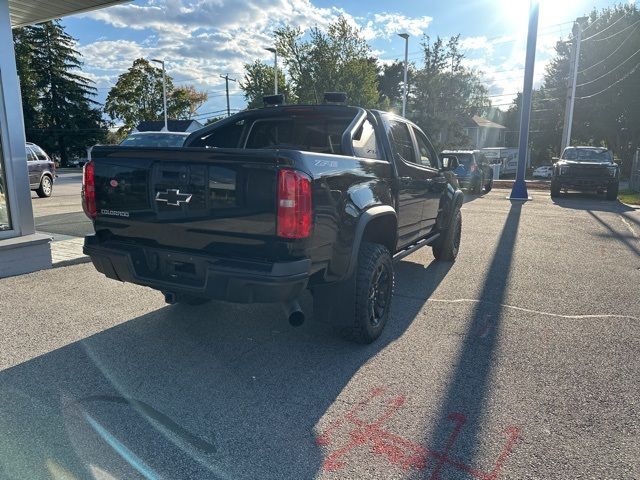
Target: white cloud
(201, 39)
(476, 43)
(392, 23)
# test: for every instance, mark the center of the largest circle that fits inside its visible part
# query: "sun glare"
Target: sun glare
(551, 11)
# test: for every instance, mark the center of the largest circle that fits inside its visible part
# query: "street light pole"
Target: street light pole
(519, 190)
(275, 68)
(164, 93)
(406, 68)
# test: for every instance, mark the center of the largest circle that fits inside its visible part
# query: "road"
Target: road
(519, 361)
(61, 214)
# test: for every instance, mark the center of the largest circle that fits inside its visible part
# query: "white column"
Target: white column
(12, 131)
(21, 249)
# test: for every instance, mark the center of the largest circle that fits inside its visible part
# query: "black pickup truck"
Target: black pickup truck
(269, 202)
(586, 168)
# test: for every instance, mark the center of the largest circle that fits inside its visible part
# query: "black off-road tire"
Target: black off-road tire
(477, 187)
(447, 246)
(46, 187)
(612, 191)
(373, 293)
(555, 189)
(488, 186)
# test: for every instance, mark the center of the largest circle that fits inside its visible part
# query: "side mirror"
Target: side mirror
(450, 162)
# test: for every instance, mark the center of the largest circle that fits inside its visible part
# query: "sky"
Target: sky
(201, 40)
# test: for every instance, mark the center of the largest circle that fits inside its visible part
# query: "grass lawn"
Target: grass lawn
(627, 196)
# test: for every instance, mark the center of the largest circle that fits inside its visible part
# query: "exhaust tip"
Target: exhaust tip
(294, 313)
(296, 318)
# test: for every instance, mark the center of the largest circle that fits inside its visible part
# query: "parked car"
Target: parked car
(42, 170)
(545, 171)
(586, 168)
(78, 162)
(269, 202)
(474, 171)
(155, 139)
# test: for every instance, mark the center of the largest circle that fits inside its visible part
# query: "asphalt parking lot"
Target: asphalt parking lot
(518, 361)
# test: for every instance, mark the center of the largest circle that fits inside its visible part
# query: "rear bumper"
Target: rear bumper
(469, 181)
(585, 183)
(205, 276)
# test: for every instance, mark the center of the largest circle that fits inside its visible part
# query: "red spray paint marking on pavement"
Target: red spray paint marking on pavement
(400, 451)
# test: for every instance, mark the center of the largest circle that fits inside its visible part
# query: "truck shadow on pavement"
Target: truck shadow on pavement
(214, 391)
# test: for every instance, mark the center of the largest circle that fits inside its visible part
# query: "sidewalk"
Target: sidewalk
(66, 250)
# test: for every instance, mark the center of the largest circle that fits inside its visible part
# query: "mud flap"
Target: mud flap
(335, 303)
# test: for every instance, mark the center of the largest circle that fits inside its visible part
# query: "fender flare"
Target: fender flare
(366, 217)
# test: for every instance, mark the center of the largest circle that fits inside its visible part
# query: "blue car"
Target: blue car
(474, 172)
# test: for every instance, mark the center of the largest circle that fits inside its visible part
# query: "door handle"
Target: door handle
(405, 180)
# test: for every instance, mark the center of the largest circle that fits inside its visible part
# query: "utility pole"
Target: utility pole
(406, 68)
(226, 79)
(571, 90)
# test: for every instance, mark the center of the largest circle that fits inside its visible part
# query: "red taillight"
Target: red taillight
(89, 190)
(294, 204)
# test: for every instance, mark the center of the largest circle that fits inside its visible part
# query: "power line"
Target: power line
(612, 85)
(617, 33)
(609, 72)
(612, 53)
(605, 29)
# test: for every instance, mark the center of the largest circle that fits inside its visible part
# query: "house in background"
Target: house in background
(484, 133)
(173, 125)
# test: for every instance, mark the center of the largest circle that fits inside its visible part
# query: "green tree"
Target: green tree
(137, 96)
(24, 47)
(336, 60)
(390, 80)
(60, 113)
(445, 92)
(258, 82)
(183, 102)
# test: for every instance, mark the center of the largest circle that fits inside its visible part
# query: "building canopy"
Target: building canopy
(25, 12)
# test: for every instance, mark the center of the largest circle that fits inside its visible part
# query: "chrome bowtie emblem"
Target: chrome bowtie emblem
(173, 197)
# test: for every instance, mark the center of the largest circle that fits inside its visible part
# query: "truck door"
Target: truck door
(436, 182)
(413, 182)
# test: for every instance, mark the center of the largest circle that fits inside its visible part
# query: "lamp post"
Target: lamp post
(406, 67)
(164, 93)
(519, 190)
(275, 68)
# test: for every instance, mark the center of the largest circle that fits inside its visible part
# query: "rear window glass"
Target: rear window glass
(154, 140)
(588, 155)
(312, 134)
(465, 159)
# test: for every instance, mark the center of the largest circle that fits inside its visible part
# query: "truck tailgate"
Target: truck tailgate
(211, 201)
